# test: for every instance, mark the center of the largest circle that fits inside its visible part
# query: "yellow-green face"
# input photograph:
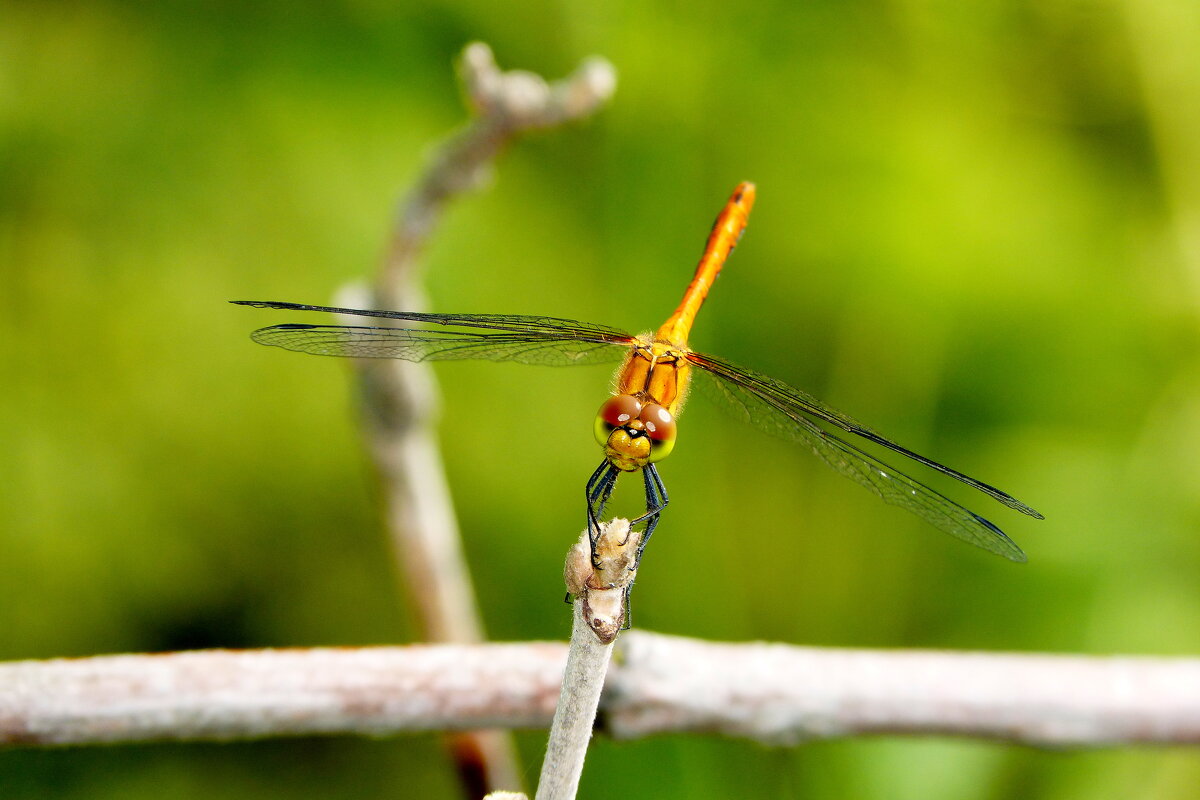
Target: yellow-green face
(634, 433)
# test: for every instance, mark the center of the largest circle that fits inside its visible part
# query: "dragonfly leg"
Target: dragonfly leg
(599, 488)
(656, 501)
(628, 623)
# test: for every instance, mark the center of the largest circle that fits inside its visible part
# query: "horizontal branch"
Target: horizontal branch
(768, 692)
(248, 694)
(782, 694)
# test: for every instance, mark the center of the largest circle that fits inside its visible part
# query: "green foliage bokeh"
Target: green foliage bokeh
(976, 232)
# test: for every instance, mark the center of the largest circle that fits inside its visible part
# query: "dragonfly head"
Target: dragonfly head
(634, 433)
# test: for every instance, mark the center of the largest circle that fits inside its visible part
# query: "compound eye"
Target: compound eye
(660, 429)
(615, 412)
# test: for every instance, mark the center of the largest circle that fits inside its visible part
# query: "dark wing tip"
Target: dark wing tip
(1017, 505)
(262, 303)
(1004, 546)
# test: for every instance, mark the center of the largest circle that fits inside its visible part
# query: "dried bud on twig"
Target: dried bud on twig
(601, 574)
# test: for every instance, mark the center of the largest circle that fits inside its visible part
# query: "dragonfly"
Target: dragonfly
(636, 426)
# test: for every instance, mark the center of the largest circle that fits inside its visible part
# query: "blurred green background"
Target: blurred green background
(978, 231)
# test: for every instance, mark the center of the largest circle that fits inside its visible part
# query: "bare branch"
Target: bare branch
(506, 104)
(249, 694)
(769, 692)
(782, 694)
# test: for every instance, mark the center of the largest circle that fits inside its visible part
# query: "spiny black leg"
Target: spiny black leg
(654, 490)
(610, 483)
(599, 489)
(656, 501)
(628, 623)
(595, 495)
(594, 481)
(654, 482)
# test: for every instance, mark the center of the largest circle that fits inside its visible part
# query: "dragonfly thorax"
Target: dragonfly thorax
(655, 372)
(634, 433)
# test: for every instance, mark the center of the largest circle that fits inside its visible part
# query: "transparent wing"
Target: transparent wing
(424, 345)
(551, 327)
(779, 398)
(774, 413)
(527, 340)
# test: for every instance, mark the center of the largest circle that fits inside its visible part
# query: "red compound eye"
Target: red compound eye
(615, 412)
(660, 425)
(620, 409)
(660, 428)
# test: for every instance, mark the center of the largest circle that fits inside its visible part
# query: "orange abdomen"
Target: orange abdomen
(726, 232)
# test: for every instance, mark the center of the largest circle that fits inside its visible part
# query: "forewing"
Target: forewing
(534, 326)
(775, 415)
(776, 397)
(426, 345)
(510, 337)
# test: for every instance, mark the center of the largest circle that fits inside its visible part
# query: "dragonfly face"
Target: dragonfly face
(636, 426)
(634, 432)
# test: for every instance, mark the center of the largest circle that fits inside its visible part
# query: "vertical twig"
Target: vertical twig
(583, 680)
(599, 575)
(399, 398)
